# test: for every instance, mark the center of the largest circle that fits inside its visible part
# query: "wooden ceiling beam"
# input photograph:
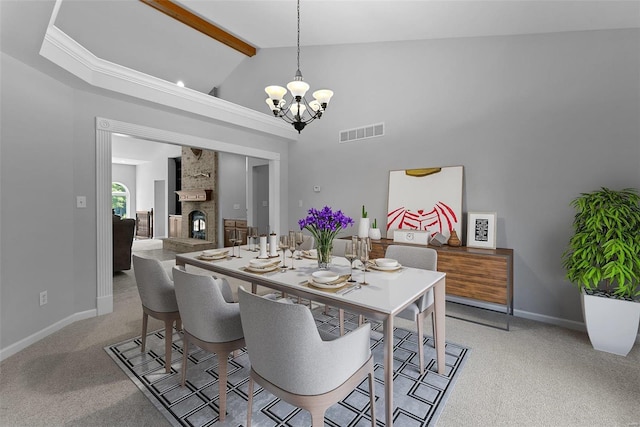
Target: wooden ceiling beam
(194, 21)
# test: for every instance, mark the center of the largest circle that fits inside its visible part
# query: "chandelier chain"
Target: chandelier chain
(298, 34)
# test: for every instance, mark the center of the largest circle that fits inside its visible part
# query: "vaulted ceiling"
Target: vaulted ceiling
(130, 33)
(133, 34)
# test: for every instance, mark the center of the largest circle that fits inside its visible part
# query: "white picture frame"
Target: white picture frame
(481, 230)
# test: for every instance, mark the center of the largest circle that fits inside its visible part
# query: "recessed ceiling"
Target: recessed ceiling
(135, 35)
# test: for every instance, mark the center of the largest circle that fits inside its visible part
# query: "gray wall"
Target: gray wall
(534, 120)
(232, 189)
(47, 159)
(41, 224)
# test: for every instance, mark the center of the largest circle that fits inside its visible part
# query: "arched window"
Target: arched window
(120, 199)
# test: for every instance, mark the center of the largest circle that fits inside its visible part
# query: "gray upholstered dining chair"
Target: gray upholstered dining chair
(308, 242)
(158, 297)
(294, 362)
(426, 259)
(339, 246)
(211, 320)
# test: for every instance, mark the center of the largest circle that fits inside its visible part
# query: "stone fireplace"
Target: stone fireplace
(200, 172)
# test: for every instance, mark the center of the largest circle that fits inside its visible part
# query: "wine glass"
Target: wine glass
(239, 240)
(363, 253)
(253, 235)
(299, 242)
(284, 245)
(233, 237)
(351, 254)
(292, 246)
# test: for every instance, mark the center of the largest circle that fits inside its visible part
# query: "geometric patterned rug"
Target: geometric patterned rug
(418, 399)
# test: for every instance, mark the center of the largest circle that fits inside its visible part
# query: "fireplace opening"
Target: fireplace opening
(198, 225)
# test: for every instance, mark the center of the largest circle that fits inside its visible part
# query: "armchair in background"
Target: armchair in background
(123, 232)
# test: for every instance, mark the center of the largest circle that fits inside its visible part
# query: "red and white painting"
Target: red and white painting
(427, 199)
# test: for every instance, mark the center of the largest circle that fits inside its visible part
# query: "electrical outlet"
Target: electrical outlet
(43, 298)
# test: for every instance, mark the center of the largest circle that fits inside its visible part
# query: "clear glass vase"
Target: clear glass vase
(324, 256)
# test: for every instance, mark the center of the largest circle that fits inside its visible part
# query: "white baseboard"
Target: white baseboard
(33, 338)
(105, 304)
(569, 324)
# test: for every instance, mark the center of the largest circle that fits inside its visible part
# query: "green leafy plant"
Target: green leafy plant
(364, 212)
(375, 223)
(604, 251)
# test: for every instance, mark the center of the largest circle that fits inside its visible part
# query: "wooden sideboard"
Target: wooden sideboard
(235, 224)
(478, 274)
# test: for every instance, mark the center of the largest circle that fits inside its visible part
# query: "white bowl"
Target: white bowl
(215, 252)
(323, 276)
(260, 263)
(386, 262)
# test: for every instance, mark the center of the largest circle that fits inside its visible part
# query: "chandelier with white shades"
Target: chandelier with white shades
(300, 111)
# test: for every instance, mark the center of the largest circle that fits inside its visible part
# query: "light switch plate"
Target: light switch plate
(81, 202)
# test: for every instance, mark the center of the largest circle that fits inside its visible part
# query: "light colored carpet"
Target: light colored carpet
(534, 375)
(418, 399)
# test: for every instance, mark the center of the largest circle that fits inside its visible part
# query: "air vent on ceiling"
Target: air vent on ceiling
(369, 131)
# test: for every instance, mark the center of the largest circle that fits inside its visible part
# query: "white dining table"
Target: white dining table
(385, 295)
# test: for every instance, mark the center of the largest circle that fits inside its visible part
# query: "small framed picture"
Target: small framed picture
(481, 230)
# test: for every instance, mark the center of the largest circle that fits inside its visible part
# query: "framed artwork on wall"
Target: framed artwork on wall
(481, 230)
(426, 199)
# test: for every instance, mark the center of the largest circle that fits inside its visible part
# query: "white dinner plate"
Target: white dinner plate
(214, 252)
(377, 267)
(212, 257)
(327, 285)
(267, 269)
(309, 255)
(262, 263)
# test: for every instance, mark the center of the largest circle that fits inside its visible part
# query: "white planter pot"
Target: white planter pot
(363, 228)
(374, 233)
(612, 324)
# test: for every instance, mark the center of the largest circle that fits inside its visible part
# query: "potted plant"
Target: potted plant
(603, 260)
(374, 231)
(363, 225)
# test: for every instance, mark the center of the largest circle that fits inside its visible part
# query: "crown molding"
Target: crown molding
(67, 53)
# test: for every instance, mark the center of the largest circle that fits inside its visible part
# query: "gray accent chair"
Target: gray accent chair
(158, 300)
(426, 259)
(339, 246)
(211, 320)
(307, 243)
(293, 361)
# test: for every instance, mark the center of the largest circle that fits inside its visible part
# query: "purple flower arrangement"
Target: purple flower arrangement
(324, 225)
